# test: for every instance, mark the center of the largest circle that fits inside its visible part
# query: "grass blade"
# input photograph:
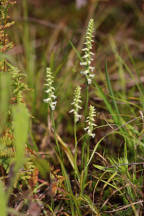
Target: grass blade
(112, 96)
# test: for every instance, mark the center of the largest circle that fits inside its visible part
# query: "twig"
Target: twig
(126, 206)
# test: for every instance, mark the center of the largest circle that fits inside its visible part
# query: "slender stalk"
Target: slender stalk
(87, 71)
(54, 130)
(75, 110)
(85, 114)
(76, 142)
(85, 146)
(76, 149)
(85, 161)
(89, 128)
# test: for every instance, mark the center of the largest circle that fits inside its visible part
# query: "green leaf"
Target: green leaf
(99, 167)
(3, 200)
(21, 126)
(4, 98)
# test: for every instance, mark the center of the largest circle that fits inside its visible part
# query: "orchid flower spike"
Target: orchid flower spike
(87, 57)
(50, 90)
(76, 104)
(90, 122)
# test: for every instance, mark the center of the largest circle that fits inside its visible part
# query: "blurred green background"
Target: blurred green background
(44, 32)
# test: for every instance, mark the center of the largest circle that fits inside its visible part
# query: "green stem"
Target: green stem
(54, 130)
(85, 146)
(86, 159)
(85, 114)
(76, 142)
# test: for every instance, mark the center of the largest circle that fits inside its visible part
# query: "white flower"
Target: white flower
(87, 57)
(76, 104)
(90, 122)
(50, 90)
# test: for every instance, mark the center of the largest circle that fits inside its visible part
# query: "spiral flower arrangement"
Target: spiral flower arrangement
(87, 57)
(76, 104)
(90, 122)
(51, 98)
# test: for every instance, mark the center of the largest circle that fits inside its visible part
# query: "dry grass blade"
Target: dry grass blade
(126, 206)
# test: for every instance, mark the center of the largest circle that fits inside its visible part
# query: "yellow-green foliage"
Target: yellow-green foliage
(18, 85)
(5, 23)
(14, 131)
(3, 200)
(26, 173)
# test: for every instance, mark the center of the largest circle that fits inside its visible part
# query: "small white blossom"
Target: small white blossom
(90, 122)
(87, 57)
(76, 104)
(50, 90)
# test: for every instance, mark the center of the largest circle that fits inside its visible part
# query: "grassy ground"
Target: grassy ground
(52, 166)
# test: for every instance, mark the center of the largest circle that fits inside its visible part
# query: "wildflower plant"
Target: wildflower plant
(51, 98)
(90, 122)
(76, 107)
(87, 57)
(87, 71)
(76, 104)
